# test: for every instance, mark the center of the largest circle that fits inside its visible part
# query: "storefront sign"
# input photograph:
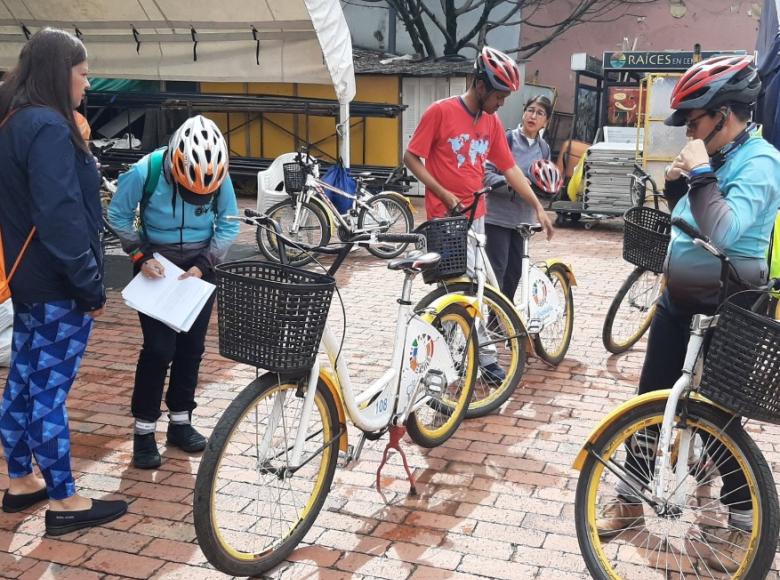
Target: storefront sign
(657, 61)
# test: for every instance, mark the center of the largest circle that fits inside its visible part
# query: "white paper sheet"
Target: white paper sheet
(176, 303)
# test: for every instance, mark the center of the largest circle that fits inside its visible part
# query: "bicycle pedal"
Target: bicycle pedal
(434, 381)
(534, 326)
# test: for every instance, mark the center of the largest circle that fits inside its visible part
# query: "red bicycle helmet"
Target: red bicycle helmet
(499, 70)
(712, 83)
(546, 177)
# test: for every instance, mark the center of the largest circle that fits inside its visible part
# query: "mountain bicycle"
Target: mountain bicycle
(539, 319)
(270, 460)
(645, 240)
(308, 214)
(678, 451)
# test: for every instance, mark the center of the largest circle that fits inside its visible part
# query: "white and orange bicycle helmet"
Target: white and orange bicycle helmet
(197, 156)
(546, 177)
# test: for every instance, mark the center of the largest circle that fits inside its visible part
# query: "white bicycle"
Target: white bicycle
(538, 320)
(270, 461)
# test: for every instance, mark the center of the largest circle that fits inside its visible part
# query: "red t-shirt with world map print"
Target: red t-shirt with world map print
(455, 145)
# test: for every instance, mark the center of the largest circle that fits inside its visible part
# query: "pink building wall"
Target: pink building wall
(715, 24)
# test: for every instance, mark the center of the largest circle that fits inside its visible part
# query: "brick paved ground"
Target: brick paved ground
(495, 501)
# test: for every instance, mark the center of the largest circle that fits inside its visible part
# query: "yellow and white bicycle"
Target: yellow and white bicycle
(270, 460)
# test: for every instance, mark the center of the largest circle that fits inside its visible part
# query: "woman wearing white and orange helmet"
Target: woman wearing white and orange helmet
(184, 194)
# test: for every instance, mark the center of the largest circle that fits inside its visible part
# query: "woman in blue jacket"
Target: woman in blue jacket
(183, 204)
(48, 181)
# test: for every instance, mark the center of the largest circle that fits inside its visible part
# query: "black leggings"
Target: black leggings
(663, 365)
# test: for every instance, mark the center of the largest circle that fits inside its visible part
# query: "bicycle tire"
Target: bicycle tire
(401, 222)
(554, 351)
(230, 478)
(433, 423)
(646, 310)
(702, 506)
(313, 231)
(502, 318)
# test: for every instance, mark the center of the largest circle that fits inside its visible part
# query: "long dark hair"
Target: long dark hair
(43, 77)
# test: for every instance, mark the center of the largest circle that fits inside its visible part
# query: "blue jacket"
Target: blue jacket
(186, 234)
(48, 182)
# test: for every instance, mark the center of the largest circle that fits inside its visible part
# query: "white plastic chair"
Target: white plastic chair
(270, 183)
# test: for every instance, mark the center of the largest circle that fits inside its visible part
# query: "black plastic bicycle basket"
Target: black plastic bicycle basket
(271, 316)
(742, 368)
(646, 236)
(294, 177)
(448, 237)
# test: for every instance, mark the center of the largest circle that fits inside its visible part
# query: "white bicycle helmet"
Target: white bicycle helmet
(197, 156)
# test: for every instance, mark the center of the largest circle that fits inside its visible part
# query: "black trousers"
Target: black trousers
(666, 346)
(163, 347)
(504, 249)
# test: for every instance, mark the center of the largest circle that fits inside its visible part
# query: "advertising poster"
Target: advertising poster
(623, 106)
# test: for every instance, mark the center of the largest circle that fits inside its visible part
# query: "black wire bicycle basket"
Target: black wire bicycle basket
(448, 237)
(294, 177)
(742, 368)
(272, 316)
(646, 236)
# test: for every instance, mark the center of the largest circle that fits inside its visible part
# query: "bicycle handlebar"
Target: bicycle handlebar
(471, 209)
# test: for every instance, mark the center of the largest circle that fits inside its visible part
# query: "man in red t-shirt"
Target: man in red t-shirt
(457, 135)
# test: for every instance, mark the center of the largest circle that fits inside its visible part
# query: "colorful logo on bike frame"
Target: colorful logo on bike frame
(539, 292)
(421, 353)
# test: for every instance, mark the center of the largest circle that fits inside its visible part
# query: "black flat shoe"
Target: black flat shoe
(101, 512)
(13, 503)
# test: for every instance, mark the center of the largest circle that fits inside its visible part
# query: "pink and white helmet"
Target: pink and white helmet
(546, 177)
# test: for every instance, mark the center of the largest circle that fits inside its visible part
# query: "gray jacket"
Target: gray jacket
(504, 207)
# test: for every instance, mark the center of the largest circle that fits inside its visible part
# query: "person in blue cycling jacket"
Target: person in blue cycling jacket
(726, 183)
(185, 220)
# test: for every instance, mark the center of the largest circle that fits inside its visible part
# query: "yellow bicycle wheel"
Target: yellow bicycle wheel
(552, 342)
(434, 421)
(252, 505)
(504, 334)
(632, 310)
(626, 532)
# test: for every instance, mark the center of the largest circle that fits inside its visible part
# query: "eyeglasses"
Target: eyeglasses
(691, 124)
(536, 112)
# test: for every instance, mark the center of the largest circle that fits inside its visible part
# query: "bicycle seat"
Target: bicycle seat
(529, 228)
(416, 261)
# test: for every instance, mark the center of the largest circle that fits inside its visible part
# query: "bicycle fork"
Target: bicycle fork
(668, 479)
(265, 448)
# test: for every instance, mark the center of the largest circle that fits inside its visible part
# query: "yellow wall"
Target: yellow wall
(382, 136)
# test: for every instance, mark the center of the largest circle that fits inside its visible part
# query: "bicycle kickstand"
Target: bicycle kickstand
(396, 434)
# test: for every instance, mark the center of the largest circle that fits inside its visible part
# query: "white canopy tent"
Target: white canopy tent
(287, 41)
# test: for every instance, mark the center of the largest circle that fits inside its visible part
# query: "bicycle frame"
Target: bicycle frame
(397, 393)
(484, 273)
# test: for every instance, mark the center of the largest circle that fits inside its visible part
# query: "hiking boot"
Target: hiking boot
(721, 549)
(493, 374)
(145, 453)
(185, 437)
(619, 515)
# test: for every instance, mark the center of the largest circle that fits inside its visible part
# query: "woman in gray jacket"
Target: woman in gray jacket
(505, 209)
